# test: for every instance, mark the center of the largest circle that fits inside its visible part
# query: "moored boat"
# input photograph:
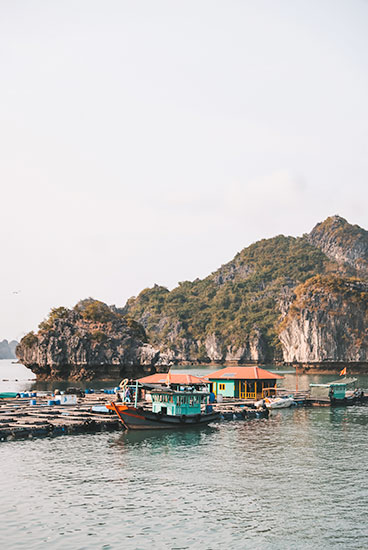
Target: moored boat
(279, 402)
(170, 409)
(276, 402)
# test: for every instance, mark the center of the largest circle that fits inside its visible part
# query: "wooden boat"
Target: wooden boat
(170, 409)
(8, 394)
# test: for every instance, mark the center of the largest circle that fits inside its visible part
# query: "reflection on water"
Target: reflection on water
(295, 480)
(178, 437)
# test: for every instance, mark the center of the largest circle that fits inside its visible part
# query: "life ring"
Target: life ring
(123, 383)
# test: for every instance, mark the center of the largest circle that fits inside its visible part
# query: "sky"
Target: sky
(148, 142)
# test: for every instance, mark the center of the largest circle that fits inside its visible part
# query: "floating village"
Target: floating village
(166, 401)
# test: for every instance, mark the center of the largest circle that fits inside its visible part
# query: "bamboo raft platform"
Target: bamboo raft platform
(21, 420)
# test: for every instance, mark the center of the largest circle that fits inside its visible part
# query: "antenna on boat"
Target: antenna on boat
(136, 394)
(296, 378)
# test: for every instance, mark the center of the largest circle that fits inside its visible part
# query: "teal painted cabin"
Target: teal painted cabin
(178, 403)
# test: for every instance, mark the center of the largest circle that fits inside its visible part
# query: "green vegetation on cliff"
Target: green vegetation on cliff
(92, 340)
(234, 301)
(241, 312)
(88, 311)
(320, 292)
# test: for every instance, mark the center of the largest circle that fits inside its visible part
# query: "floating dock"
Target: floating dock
(20, 419)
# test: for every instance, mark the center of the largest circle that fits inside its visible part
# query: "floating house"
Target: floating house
(242, 382)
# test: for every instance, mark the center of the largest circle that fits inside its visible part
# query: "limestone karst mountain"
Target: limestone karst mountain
(284, 300)
(240, 313)
(91, 341)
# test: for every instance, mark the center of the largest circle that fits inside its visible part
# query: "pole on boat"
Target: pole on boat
(296, 377)
(136, 394)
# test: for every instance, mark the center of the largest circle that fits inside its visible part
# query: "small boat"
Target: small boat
(170, 409)
(8, 394)
(279, 402)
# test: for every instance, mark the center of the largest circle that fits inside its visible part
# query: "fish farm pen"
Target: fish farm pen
(42, 414)
(22, 417)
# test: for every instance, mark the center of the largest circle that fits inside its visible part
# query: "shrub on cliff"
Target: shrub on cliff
(29, 340)
(98, 336)
(55, 313)
(94, 310)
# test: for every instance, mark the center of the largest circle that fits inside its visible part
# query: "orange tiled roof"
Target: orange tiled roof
(173, 378)
(243, 373)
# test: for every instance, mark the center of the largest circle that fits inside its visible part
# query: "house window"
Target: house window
(221, 386)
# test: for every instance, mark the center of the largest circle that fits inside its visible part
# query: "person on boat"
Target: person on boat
(127, 395)
(212, 399)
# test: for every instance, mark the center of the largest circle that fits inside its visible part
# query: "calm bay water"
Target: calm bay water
(295, 481)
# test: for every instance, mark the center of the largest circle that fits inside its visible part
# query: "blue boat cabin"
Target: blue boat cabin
(178, 403)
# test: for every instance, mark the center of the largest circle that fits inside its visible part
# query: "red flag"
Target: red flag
(343, 372)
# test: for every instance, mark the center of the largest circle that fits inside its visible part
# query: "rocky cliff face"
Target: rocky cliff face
(343, 242)
(325, 322)
(233, 315)
(7, 349)
(214, 349)
(85, 344)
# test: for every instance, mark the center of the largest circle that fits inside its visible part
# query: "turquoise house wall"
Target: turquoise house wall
(229, 390)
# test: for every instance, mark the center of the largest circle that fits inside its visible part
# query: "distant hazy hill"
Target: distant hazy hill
(243, 311)
(7, 349)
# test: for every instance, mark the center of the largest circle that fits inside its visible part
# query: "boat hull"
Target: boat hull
(141, 419)
(280, 403)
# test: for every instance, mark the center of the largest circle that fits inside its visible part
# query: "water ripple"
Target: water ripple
(297, 480)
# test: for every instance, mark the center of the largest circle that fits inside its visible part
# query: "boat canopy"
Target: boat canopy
(345, 381)
(337, 387)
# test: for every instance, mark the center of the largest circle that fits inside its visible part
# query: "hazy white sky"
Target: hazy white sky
(147, 142)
